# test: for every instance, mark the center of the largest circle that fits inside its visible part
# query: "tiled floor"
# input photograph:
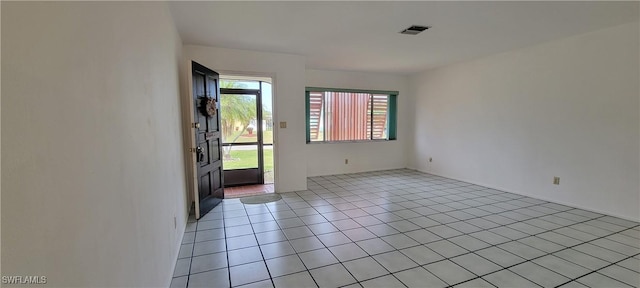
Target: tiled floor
(402, 228)
(247, 190)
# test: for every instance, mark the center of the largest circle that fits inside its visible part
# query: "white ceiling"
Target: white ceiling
(363, 36)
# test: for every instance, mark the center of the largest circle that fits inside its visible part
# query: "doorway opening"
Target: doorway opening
(246, 112)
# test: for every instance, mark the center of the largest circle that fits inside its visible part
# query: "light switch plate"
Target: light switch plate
(283, 124)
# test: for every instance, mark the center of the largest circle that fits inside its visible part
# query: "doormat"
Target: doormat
(261, 199)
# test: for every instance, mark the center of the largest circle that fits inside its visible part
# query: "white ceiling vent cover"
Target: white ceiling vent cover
(414, 30)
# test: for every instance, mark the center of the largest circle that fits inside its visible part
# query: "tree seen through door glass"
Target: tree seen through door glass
(239, 125)
(238, 117)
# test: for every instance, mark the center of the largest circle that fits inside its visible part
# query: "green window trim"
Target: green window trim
(320, 89)
(392, 113)
(392, 117)
(308, 114)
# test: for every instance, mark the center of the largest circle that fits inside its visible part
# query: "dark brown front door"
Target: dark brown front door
(206, 93)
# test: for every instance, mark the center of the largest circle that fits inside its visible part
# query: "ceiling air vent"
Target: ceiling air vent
(414, 30)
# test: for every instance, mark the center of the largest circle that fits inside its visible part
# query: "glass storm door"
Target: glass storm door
(245, 121)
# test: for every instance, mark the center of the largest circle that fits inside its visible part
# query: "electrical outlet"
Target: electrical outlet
(430, 159)
(283, 124)
(346, 161)
(556, 180)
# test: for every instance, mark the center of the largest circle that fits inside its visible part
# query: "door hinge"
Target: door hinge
(195, 125)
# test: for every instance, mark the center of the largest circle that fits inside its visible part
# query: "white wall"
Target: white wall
(288, 74)
(513, 121)
(328, 158)
(93, 169)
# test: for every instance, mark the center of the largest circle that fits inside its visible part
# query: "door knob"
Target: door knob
(200, 153)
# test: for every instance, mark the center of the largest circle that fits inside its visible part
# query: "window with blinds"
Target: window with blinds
(350, 115)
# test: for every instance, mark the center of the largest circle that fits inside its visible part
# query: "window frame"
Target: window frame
(392, 113)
